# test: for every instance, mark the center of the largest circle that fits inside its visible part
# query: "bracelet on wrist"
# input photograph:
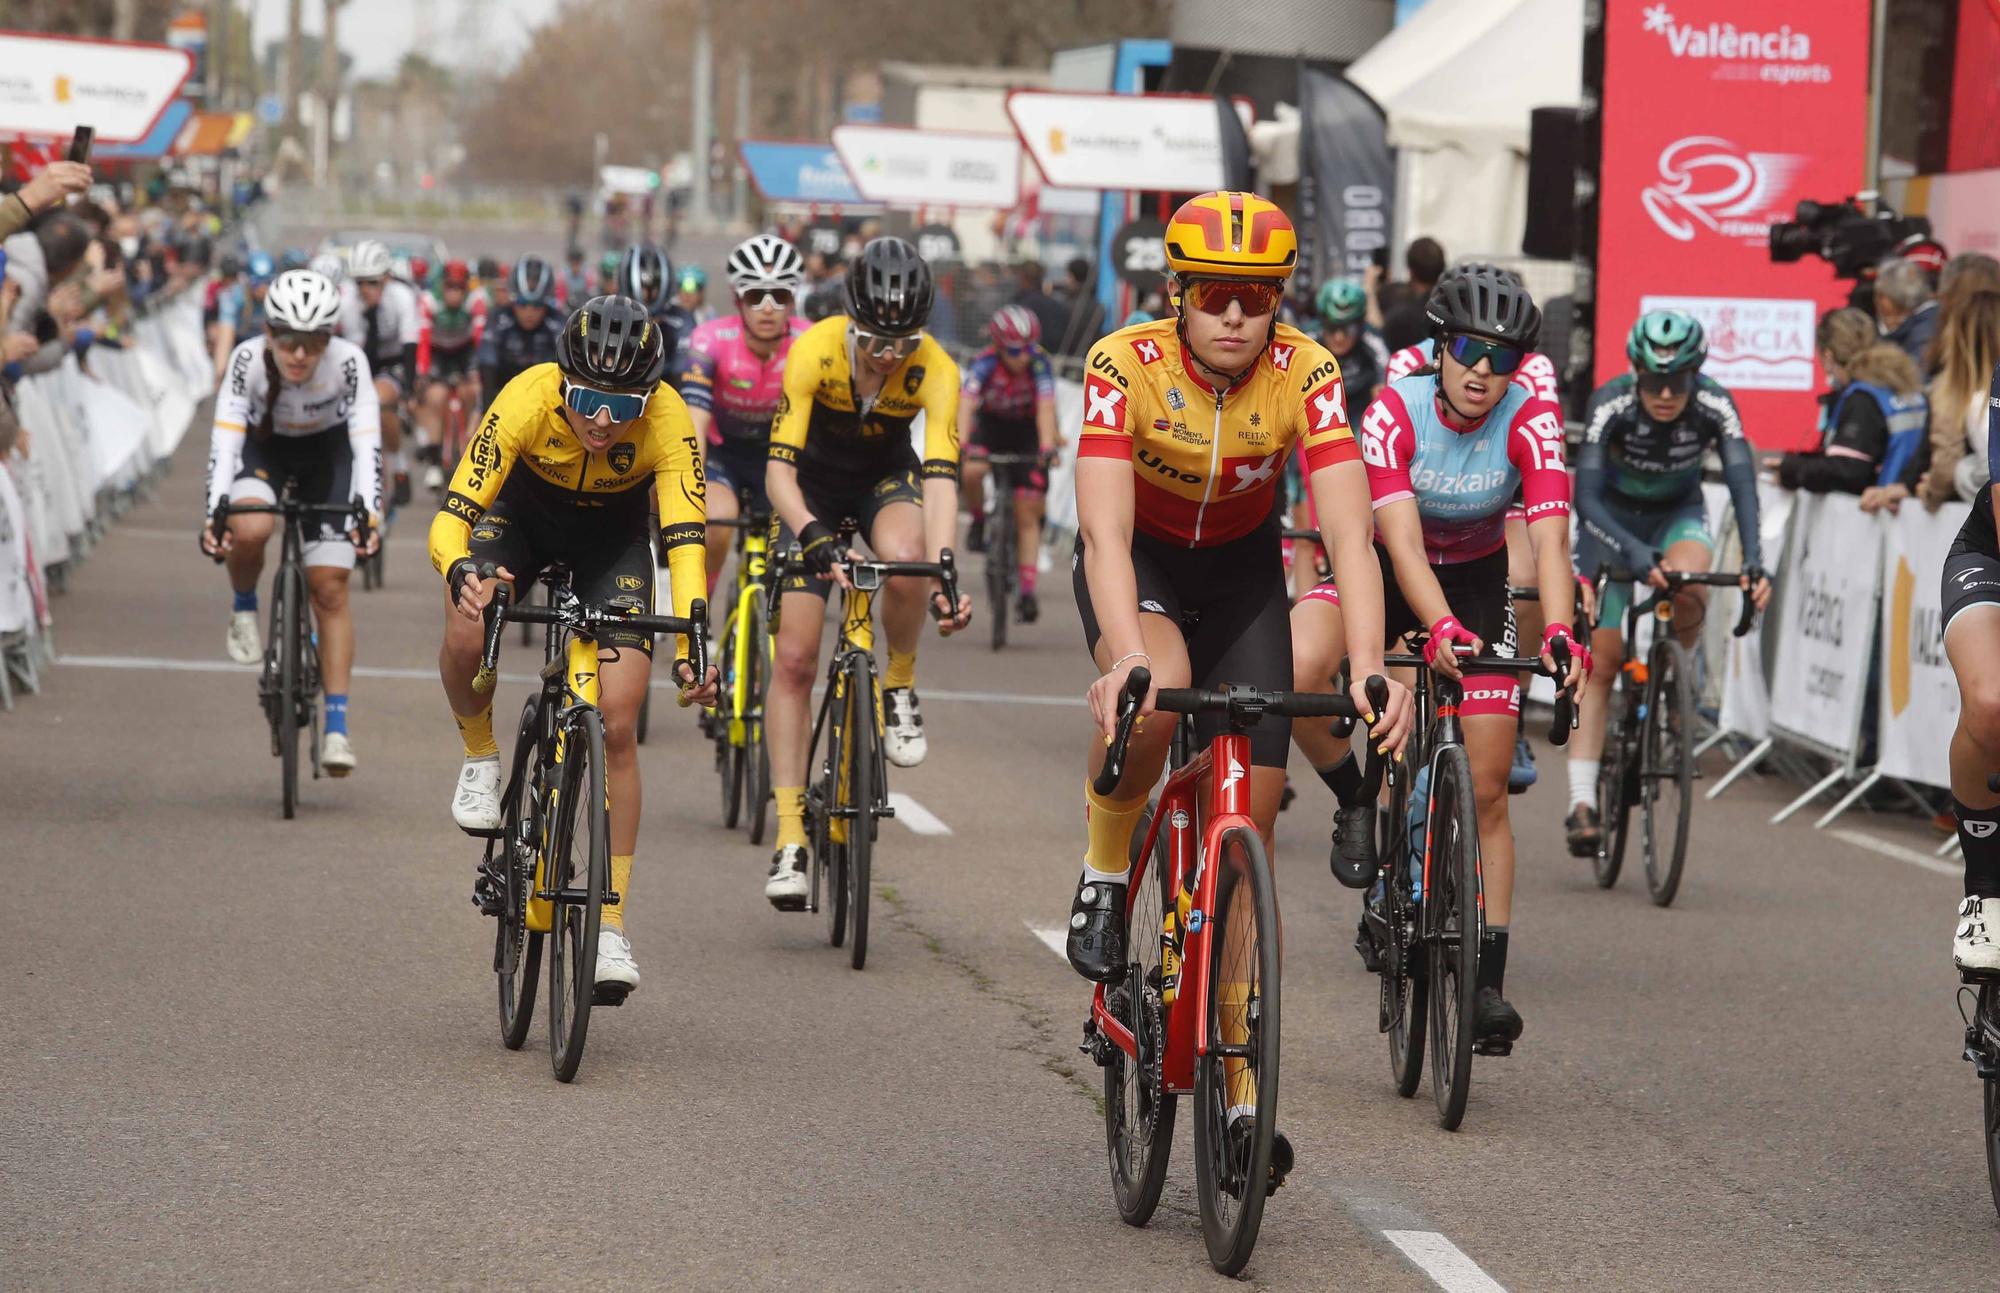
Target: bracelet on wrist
(1130, 655)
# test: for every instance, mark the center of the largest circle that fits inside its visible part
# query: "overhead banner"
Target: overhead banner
(930, 168)
(50, 85)
(1919, 697)
(1347, 176)
(1826, 624)
(782, 170)
(1170, 142)
(1718, 117)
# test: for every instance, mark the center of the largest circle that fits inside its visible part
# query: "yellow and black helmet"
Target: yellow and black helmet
(1231, 235)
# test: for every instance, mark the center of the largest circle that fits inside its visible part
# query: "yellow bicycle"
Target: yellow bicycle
(741, 758)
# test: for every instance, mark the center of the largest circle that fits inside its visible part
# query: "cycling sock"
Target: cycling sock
(1493, 959)
(476, 730)
(1110, 824)
(1344, 780)
(1027, 576)
(621, 884)
(336, 713)
(1232, 1011)
(1583, 781)
(1979, 837)
(902, 670)
(246, 601)
(791, 815)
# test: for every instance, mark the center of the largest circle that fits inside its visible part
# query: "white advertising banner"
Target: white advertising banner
(1826, 624)
(1123, 141)
(50, 85)
(1745, 699)
(930, 168)
(1919, 700)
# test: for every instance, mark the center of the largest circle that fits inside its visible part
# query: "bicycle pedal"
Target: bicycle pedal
(481, 834)
(609, 994)
(1978, 978)
(1493, 1047)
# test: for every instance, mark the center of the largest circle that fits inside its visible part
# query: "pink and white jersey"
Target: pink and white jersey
(1537, 373)
(723, 377)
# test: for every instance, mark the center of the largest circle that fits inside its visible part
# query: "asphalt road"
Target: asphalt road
(251, 1053)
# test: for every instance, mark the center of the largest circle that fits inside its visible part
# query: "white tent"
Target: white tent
(1458, 81)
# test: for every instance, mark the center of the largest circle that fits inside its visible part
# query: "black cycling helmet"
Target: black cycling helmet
(647, 276)
(612, 342)
(533, 281)
(487, 268)
(1483, 301)
(889, 288)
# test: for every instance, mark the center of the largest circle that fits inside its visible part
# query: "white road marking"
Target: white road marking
(1052, 937)
(1916, 858)
(1449, 1268)
(915, 816)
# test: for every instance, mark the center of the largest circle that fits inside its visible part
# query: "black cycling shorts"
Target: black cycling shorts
(860, 506)
(1230, 604)
(1972, 567)
(738, 466)
(611, 571)
(321, 469)
(451, 365)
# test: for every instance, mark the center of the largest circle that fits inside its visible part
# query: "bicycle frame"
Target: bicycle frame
(753, 549)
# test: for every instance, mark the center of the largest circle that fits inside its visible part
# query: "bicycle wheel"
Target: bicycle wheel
(1666, 770)
(756, 755)
(1405, 1004)
(863, 766)
(999, 565)
(1614, 806)
(729, 754)
(291, 632)
(829, 855)
(1989, 1023)
(578, 865)
(1451, 895)
(1138, 1109)
(1232, 1154)
(517, 950)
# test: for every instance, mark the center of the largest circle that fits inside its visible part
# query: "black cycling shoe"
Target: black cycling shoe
(1584, 829)
(1027, 609)
(1496, 1026)
(400, 490)
(1096, 945)
(1240, 1131)
(1353, 857)
(975, 535)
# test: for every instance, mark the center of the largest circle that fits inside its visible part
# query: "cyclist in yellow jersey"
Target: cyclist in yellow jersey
(841, 448)
(558, 472)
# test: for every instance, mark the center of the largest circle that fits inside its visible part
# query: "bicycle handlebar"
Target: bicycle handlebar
(1709, 578)
(1565, 718)
(585, 621)
(355, 511)
(867, 576)
(496, 621)
(1247, 705)
(1137, 684)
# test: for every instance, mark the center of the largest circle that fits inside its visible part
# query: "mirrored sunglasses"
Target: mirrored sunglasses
(875, 347)
(311, 343)
(1657, 384)
(1214, 295)
(588, 402)
(1470, 350)
(765, 298)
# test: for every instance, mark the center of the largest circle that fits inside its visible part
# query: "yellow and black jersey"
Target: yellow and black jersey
(525, 454)
(844, 445)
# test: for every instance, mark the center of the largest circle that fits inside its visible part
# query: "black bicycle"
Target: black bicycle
(547, 870)
(1426, 909)
(1649, 742)
(849, 795)
(289, 688)
(1003, 577)
(1979, 1006)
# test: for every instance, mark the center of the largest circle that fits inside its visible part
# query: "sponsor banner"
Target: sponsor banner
(1919, 696)
(1171, 142)
(1826, 624)
(1347, 179)
(1718, 117)
(784, 171)
(50, 85)
(1741, 694)
(931, 168)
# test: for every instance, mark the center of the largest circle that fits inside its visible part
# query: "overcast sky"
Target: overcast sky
(377, 33)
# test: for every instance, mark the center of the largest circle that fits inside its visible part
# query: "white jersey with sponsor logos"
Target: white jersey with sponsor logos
(340, 395)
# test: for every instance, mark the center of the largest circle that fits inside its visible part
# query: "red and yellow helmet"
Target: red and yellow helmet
(1231, 235)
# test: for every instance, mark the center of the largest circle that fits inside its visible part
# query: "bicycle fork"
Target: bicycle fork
(579, 668)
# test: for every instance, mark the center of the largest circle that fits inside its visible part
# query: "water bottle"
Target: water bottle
(1420, 807)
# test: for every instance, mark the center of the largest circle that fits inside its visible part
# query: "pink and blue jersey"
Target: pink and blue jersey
(998, 394)
(724, 378)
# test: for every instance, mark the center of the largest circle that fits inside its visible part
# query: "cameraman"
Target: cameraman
(1905, 307)
(1873, 419)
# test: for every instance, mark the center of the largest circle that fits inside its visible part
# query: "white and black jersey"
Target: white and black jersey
(385, 332)
(336, 407)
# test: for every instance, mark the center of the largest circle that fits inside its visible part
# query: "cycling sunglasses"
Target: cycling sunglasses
(312, 343)
(765, 298)
(1214, 295)
(369, 282)
(588, 402)
(875, 347)
(1470, 350)
(1657, 384)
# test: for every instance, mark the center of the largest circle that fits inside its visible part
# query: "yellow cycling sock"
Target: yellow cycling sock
(791, 815)
(476, 731)
(621, 884)
(1232, 1014)
(902, 670)
(1110, 824)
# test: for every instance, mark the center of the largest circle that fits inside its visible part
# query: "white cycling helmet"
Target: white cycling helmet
(330, 266)
(302, 300)
(765, 262)
(369, 259)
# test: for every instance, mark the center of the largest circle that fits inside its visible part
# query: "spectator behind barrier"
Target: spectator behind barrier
(1086, 313)
(1965, 262)
(1401, 305)
(1052, 314)
(40, 263)
(1905, 307)
(1967, 347)
(1874, 418)
(52, 184)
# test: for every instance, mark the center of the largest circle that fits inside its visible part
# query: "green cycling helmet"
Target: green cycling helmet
(608, 263)
(1341, 301)
(693, 279)
(1666, 341)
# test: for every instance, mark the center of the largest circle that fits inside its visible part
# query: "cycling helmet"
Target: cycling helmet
(369, 259)
(1014, 326)
(613, 343)
(1231, 235)
(608, 263)
(329, 266)
(1481, 267)
(417, 269)
(645, 274)
(765, 263)
(1485, 302)
(534, 282)
(1341, 301)
(293, 258)
(889, 288)
(693, 279)
(1666, 341)
(302, 301)
(230, 266)
(456, 274)
(262, 268)
(489, 268)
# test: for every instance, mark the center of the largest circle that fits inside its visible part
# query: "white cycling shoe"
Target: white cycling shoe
(245, 644)
(903, 731)
(1972, 945)
(433, 477)
(476, 804)
(617, 973)
(785, 887)
(336, 755)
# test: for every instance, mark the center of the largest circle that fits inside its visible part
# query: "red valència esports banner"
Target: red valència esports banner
(1718, 116)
